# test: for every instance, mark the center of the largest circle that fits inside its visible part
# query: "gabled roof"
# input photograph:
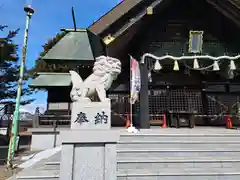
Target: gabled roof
(118, 26)
(236, 2)
(114, 14)
(230, 8)
(81, 45)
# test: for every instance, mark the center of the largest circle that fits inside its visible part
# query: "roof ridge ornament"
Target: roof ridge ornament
(150, 10)
(108, 39)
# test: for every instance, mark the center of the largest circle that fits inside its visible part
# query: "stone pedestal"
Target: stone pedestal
(89, 154)
(91, 115)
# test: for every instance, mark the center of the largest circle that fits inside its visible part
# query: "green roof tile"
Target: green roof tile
(77, 46)
(51, 79)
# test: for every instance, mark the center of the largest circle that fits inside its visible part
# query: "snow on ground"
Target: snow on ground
(36, 157)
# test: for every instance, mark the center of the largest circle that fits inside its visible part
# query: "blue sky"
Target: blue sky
(49, 17)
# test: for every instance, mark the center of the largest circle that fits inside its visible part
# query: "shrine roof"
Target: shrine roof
(125, 7)
(79, 46)
(113, 15)
(51, 80)
(117, 27)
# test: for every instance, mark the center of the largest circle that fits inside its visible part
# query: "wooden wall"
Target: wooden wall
(168, 31)
(59, 100)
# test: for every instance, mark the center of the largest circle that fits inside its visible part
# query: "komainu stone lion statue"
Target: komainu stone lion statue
(105, 71)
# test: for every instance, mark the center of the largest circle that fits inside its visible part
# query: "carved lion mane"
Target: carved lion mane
(107, 65)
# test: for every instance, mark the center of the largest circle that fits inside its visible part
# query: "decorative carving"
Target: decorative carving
(105, 71)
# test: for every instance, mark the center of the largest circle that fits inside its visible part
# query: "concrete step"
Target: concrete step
(140, 163)
(197, 130)
(157, 153)
(177, 145)
(47, 164)
(179, 137)
(49, 167)
(52, 163)
(180, 174)
(38, 174)
(55, 157)
(177, 162)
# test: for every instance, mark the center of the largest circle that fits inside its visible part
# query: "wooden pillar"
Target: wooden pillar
(144, 102)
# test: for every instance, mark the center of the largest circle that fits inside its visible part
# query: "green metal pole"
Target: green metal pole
(14, 130)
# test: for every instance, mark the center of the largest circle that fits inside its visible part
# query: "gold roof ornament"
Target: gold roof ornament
(150, 10)
(108, 39)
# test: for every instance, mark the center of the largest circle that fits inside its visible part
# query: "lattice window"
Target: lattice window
(157, 104)
(194, 99)
(119, 105)
(177, 100)
(218, 104)
(189, 100)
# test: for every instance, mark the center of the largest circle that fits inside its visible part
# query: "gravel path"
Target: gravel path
(7, 173)
(4, 172)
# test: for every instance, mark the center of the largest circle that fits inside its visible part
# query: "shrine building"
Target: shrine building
(199, 79)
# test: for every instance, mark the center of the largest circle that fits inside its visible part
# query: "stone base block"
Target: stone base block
(91, 115)
(89, 154)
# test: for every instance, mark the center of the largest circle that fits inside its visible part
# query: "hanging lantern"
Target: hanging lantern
(216, 66)
(157, 66)
(195, 64)
(232, 65)
(176, 66)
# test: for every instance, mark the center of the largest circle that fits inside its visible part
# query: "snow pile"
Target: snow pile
(34, 158)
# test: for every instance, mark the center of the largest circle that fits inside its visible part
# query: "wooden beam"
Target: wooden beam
(114, 14)
(230, 7)
(224, 12)
(136, 19)
(235, 3)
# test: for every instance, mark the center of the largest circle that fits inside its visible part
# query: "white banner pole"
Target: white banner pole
(131, 129)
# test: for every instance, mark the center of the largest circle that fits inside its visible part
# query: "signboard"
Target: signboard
(91, 115)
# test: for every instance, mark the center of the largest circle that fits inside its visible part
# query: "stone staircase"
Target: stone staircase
(179, 154)
(166, 154)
